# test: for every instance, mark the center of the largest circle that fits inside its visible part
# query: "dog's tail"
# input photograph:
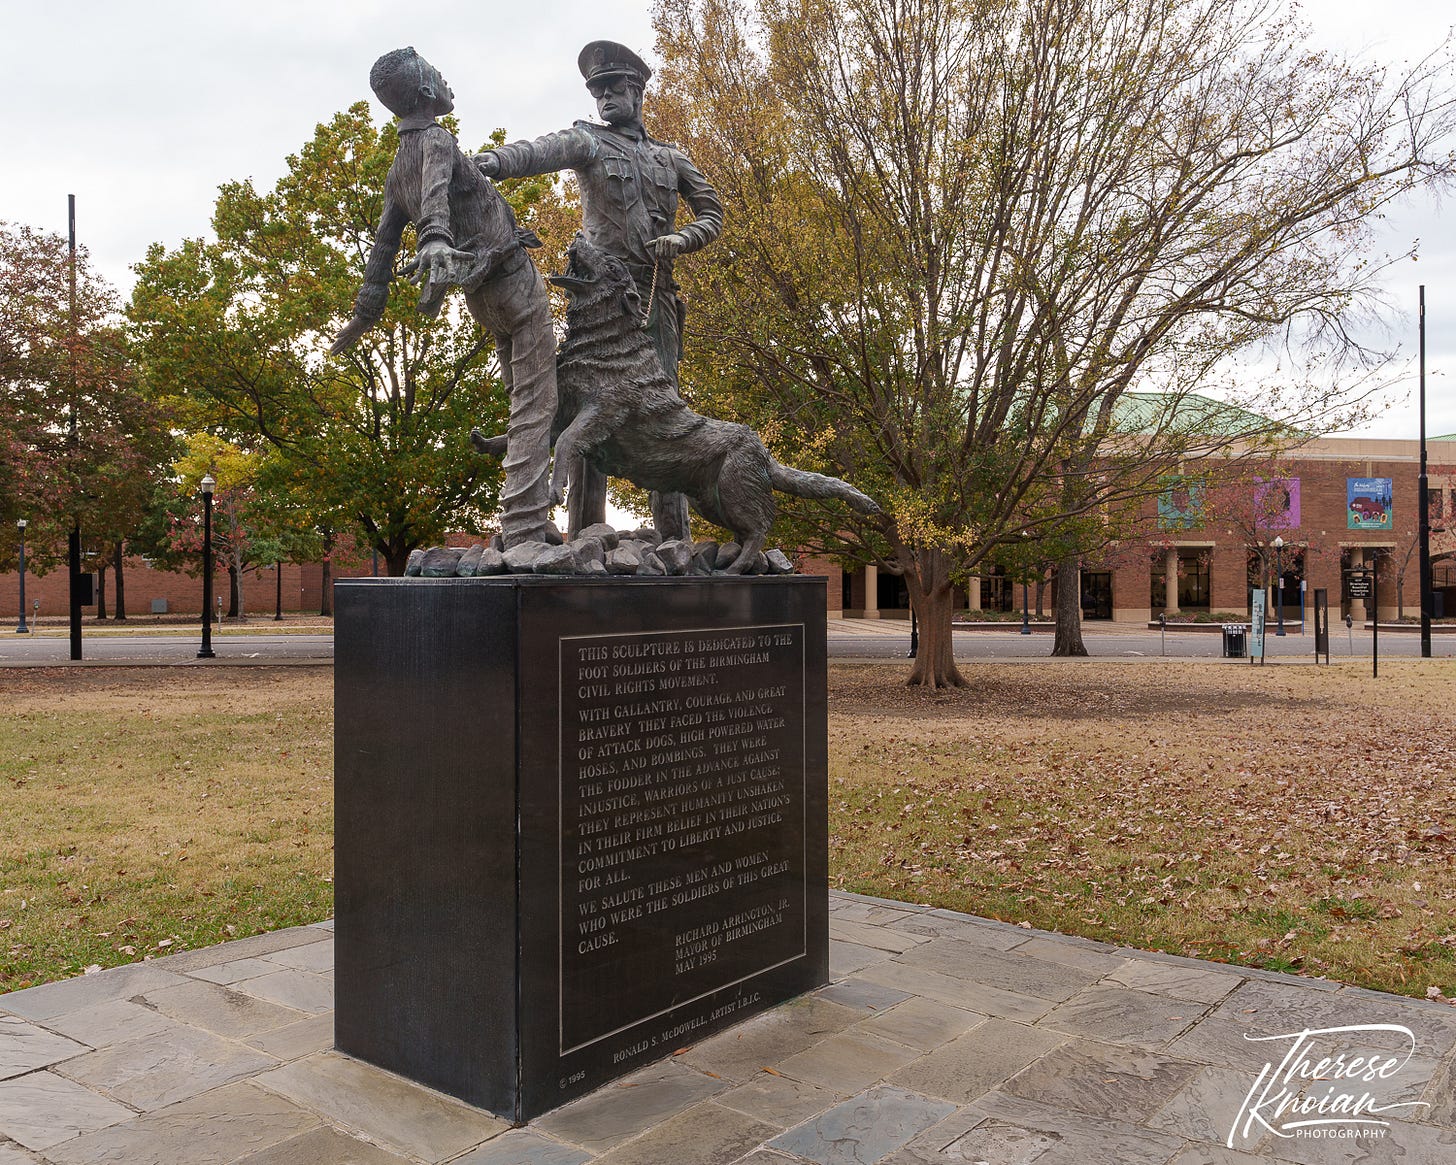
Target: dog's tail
(803, 484)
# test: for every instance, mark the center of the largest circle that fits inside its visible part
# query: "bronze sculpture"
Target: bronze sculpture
(630, 186)
(620, 411)
(467, 237)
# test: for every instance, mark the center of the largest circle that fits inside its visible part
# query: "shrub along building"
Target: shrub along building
(1203, 544)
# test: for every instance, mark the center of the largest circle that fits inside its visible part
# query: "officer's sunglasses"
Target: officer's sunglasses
(618, 85)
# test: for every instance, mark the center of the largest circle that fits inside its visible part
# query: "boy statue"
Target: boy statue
(466, 236)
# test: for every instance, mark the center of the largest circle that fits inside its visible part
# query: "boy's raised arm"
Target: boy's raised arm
(369, 303)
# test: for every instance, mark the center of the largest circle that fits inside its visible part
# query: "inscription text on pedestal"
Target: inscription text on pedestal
(682, 832)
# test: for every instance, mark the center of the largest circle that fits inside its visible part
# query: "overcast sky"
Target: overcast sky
(142, 108)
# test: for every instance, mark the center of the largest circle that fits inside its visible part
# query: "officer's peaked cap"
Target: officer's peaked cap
(604, 59)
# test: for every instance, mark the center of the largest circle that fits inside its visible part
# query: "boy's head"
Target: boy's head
(408, 84)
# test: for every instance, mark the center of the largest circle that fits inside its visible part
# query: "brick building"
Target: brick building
(1345, 501)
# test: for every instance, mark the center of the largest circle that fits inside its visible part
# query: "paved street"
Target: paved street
(848, 638)
(166, 649)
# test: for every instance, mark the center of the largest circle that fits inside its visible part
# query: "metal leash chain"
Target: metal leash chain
(652, 294)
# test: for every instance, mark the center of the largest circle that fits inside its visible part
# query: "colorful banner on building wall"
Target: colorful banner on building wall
(1276, 503)
(1180, 503)
(1368, 501)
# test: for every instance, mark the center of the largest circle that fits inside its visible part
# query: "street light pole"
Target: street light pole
(207, 487)
(278, 615)
(22, 629)
(1025, 608)
(1423, 505)
(1279, 573)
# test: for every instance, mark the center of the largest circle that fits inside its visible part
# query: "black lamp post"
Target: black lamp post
(207, 486)
(278, 615)
(22, 629)
(1279, 573)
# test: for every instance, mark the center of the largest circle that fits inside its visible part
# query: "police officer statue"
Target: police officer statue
(630, 185)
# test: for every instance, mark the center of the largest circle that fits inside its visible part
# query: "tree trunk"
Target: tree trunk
(1068, 639)
(100, 590)
(235, 591)
(932, 598)
(120, 584)
(326, 597)
(1041, 585)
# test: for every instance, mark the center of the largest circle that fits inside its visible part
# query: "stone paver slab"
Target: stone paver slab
(964, 928)
(1124, 1016)
(1215, 1155)
(223, 1011)
(869, 912)
(1004, 1130)
(117, 1021)
(862, 995)
(847, 958)
(25, 1047)
(384, 1107)
(323, 1146)
(520, 1147)
(1006, 970)
(1208, 1107)
(42, 1110)
(10, 1155)
(631, 1106)
(300, 990)
(1108, 1080)
(1084, 954)
(880, 937)
(52, 999)
(977, 1062)
(244, 948)
(152, 1072)
(778, 1100)
(1179, 982)
(317, 957)
(848, 1062)
(920, 1023)
(226, 974)
(1217, 1039)
(296, 1040)
(963, 993)
(1282, 1007)
(213, 1129)
(705, 1134)
(864, 1129)
(765, 1040)
(1403, 1144)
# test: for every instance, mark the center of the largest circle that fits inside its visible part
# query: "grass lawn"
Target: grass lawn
(1287, 817)
(145, 811)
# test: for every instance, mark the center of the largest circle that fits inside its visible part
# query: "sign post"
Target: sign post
(1363, 583)
(1321, 624)
(1256, 623)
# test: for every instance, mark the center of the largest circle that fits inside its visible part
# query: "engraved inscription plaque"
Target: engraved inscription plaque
(682, 785)
(580, 823)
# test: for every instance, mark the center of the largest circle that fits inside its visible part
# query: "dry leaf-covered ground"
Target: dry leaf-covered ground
(1290, 817)
(1284, 816)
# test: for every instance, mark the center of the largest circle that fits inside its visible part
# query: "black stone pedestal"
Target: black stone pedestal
(579, 824)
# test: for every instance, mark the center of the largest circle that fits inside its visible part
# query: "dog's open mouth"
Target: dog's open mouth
(580, 271)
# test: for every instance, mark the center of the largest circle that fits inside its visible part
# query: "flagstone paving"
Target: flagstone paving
(944, 1038)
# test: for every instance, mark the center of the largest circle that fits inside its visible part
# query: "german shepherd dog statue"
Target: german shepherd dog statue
(616, 406)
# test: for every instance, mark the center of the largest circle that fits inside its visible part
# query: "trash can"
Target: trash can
(1235, 640)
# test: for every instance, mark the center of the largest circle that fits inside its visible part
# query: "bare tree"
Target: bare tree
(961, 233)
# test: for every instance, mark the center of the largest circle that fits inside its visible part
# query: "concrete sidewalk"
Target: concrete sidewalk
(944, 1038)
